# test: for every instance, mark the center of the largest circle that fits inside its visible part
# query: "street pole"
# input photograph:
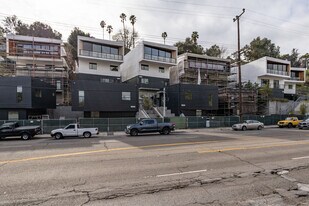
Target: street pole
(239, 65)
(163, 103)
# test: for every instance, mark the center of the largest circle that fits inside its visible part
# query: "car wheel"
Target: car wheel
(290, 125)
(58, 136)
(134, 132)
(166, 130)
(244, 128)
(259, 127)
(87, 134)
(25, 136)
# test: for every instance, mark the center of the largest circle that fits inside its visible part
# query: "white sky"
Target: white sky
(285, 22)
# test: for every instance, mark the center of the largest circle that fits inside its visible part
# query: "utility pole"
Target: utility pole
(164, 106)
(239, 64)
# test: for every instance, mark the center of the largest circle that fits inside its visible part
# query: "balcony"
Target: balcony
(296, 79)
(100, 55)
(160, 59)
(271, 71)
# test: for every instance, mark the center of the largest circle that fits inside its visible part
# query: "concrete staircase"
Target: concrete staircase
(155, 112)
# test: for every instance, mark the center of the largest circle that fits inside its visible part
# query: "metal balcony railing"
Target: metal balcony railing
(100, 55)
(161, 59)
(271, 71)
(296, 78)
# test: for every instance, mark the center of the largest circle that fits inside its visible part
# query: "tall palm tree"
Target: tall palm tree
(123, 17)
(109, 29)
(103, 24)
(133, 20)
(164, 35)
(194, 36)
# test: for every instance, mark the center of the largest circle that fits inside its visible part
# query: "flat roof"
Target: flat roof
(33, 38)
(202, 56)
(101, 41)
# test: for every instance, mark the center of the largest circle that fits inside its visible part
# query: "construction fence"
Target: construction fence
(119, 124)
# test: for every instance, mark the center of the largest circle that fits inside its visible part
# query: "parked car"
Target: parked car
(11, 129)
(148, 126)
(304, 124)
(289, 122)
(73, 130)
(248, 124)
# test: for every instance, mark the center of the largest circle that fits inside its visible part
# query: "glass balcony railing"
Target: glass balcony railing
(160, 59)
(100, 55)
(271, 71)
(296, 79)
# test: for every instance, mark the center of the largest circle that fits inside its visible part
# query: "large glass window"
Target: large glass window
(19, 94)
(147, 50)
(264, 82)
(38, 93)
(114, 51)
(161, 69)
(58, 85)
(276, 84)
(126, 96)
(114, 68)
(210, 100)
(97, 48)
(154, 52)
(162, 53)
(106, 49)
(157, 52)
(145, 81)
(87, 46)
(81, 98)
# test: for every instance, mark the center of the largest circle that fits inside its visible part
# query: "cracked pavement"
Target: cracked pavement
(159, 170)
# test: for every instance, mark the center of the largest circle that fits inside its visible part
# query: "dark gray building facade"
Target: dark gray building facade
(25, 97)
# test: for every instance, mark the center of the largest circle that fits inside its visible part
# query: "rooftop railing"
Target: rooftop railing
(100, 55)
(161, 59)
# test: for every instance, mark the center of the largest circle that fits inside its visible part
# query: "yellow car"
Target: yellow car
(289, 122)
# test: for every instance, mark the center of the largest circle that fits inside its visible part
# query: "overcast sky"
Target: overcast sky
(285, 22)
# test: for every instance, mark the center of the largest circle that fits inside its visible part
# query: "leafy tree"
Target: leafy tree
(1, 32)
(13, 25)
(293, 58)
(259, 48)
(250, 85)
(128, 42)
(103, 24)
(109, 29)
(71, 46)
(303, 109)
(190, 45)
(215, 51)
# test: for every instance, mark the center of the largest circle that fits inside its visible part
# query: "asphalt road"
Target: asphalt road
(191, 167)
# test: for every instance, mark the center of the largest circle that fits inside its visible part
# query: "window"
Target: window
(188, 95)
(149, 121)
(145, 67)
(114, 68)
(93, 66)
(81, 98)
(147, 50)
(145, 81)
(154, 52)
(264, 82)
(96, 48)
(276, 84)
(58, 85)
(47, 66)
(87, 46)
(106, 80)
(290, 86)
(19, 95)
(13, 115)
(126, 96)
(38, 93)
(71, 126)
(106, 49)
(210, 100)
(114, 51)
(161, 69)
(162, 53)
(29, 66)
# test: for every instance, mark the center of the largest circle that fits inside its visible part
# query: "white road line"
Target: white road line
(299, 158)
(181, 173)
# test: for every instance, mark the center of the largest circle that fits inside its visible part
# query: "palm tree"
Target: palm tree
(123, 17)
(164, 35)
(109, 29)
(194, 36)
(103, 24)
(133, 20)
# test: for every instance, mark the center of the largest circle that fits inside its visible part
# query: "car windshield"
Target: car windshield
(289, 118)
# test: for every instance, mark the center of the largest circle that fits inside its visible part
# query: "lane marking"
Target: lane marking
(251, 147)
(181, 173)
(102, 151)
(299, 158)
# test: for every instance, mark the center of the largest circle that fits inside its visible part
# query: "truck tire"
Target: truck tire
(134, 132)
(290, 125)
(166, 130)
(244, 128)
(87, 134)
(58, 136)
(25, 136)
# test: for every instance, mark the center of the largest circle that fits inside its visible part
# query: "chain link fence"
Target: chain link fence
(119, 124)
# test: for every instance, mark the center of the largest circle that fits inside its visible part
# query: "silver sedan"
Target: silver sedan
(248, 124)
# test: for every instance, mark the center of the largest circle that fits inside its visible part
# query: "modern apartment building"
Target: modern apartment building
(40, 58)
(147, 67)
(194, 84)
(277, 73)
(97, 89)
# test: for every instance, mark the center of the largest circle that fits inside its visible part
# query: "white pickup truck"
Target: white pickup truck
(73, 130)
